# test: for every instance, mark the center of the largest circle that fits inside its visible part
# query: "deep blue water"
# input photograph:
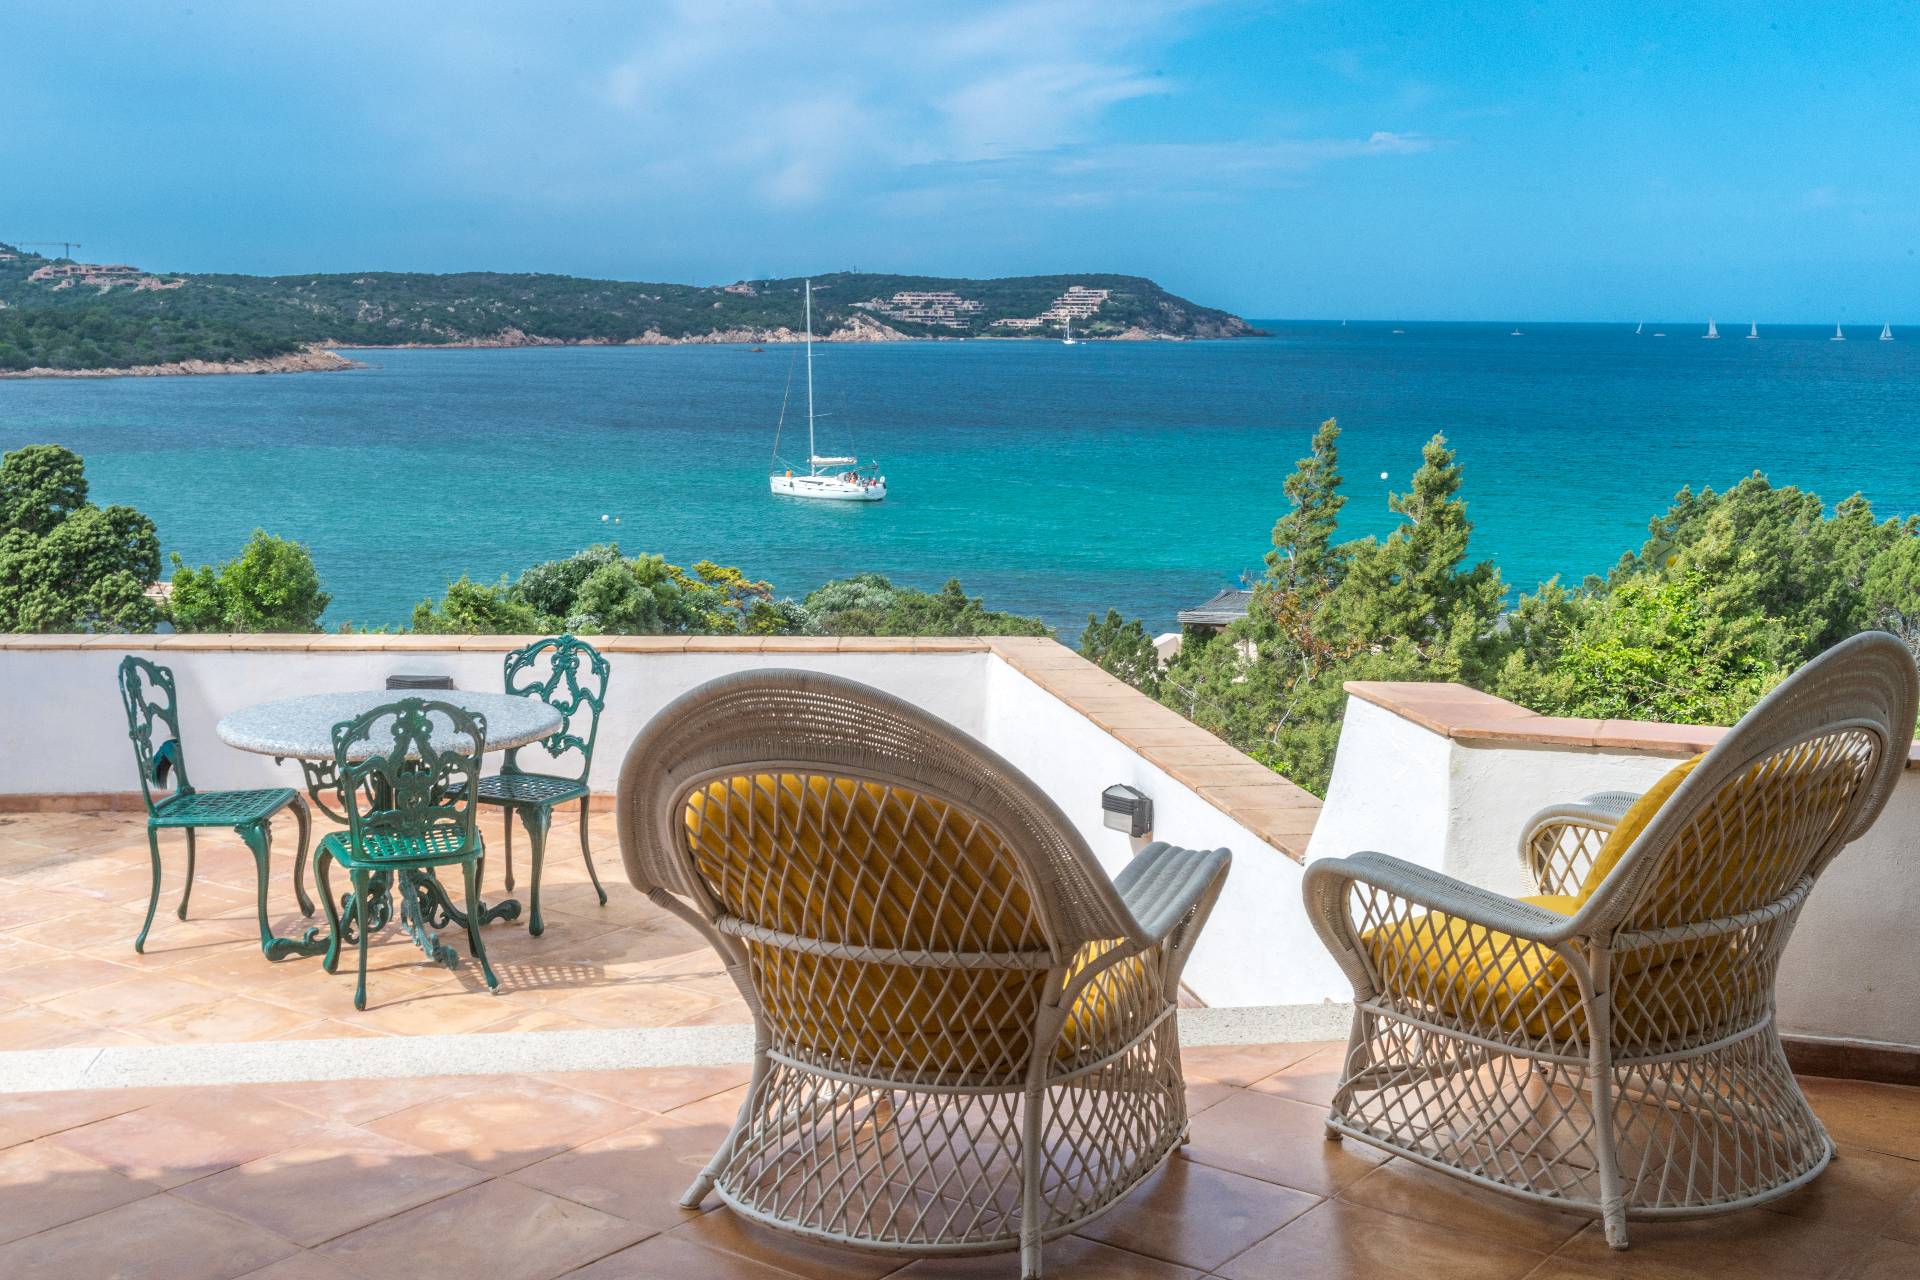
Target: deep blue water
(1053, 480)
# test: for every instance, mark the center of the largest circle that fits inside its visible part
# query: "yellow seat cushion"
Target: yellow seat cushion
(1495, 982)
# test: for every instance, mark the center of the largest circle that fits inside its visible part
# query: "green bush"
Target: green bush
(271, 586)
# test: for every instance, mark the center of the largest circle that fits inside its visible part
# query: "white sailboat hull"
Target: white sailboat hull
(829, 488)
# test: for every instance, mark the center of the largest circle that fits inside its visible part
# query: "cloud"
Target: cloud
(799, 106)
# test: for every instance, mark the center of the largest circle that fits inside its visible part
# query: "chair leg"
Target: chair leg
(471, 873)
(153, 897)
(321, 861)
(1030, 1173)
(696, 1192)
(259, 838)
(187, 892)
(538, 818)
(360, 887)
(586, 851)
(1613, 1199)
(303, 819)
(506, 821)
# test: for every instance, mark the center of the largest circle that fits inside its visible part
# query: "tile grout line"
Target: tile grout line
(514, 1052)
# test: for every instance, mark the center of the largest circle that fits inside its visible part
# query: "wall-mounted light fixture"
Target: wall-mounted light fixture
(1127, 809)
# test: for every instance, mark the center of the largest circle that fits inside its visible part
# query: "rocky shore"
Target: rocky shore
(313, 359)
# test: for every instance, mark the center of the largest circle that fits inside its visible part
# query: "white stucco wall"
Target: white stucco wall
(1403, 789)
(1258, 948)
(65, 730)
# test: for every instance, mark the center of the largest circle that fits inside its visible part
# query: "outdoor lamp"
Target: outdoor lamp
(1127, 809)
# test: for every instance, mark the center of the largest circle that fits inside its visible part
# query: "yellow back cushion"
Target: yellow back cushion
(1631, 824)
(849, 861)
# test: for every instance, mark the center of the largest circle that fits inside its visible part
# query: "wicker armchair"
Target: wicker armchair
(1609, 1046)
(965, 1035)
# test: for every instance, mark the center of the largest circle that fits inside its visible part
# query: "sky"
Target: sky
(1313, 160)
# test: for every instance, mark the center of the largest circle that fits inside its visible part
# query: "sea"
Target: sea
(1049, 479)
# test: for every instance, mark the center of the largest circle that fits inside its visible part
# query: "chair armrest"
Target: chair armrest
(1420, 886)
(1164, 883)
(1559, 843)
(1170, 891)
(1381, 889)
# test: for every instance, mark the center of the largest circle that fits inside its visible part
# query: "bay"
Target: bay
(1049, 479)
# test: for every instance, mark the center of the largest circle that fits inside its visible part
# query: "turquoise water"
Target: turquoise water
(1052, 480)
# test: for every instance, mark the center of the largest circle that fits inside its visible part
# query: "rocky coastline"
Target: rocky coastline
(314, 359)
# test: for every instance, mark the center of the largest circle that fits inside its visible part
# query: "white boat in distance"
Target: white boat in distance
(835, 479)
(1637, 328)
(1837, 335)
(1886, 333)
(1712, 332)
(1753, 329)
(1069, 341)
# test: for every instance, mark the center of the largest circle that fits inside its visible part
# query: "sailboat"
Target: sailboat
(1637, 328)
(1712, 332)
(833, 478)
(1068, 340)
(1753, 330)
(1837, 335)
(1886, 333)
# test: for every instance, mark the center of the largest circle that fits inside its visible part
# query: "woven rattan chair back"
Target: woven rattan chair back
(900, 894)
(569, 675)
(1617, 1052)
(1779, 796)
(964, 1034)
(397, 787)
(153, 723)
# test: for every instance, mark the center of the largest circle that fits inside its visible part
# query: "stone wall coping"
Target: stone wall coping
(374, 642)
(1480, 719)
(1278, 811)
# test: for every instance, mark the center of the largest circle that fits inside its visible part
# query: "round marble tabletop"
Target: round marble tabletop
(302, 728)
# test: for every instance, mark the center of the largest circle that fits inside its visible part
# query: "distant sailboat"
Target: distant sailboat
(1712, 332)
(1753, 330)
(1068, 340)
(824, 477)
(1837, 335)
(1886, 333)
(1637, 328)
(1516, 334)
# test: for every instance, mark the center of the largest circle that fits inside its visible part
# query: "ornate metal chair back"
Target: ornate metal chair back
(569, 675)
(153, 724)
(407, 774)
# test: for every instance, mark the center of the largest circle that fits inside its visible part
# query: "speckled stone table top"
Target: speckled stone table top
(302, 728)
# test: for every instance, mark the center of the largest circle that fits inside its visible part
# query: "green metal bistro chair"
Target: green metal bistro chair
(153, 724)
(569, 675)
(405, 775)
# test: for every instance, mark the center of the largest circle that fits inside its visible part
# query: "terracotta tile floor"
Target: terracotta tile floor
(529, 1178)
(73, 889)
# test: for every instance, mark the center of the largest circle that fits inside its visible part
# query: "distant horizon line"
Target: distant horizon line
(1255, 318)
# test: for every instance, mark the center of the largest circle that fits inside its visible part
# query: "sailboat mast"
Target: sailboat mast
(812, 452)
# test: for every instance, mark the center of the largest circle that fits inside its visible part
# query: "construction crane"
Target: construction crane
(66, 246)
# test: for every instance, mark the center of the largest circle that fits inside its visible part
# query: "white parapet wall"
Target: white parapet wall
(1071, 727)
(1447, 778)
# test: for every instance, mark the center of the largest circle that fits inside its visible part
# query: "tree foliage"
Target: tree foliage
(1122, 648)
(869, 605)
(1730, 592)
(271, 586)
(602, 592)
(66, 564)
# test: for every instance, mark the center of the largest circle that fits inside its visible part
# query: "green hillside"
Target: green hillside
(80, 320)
